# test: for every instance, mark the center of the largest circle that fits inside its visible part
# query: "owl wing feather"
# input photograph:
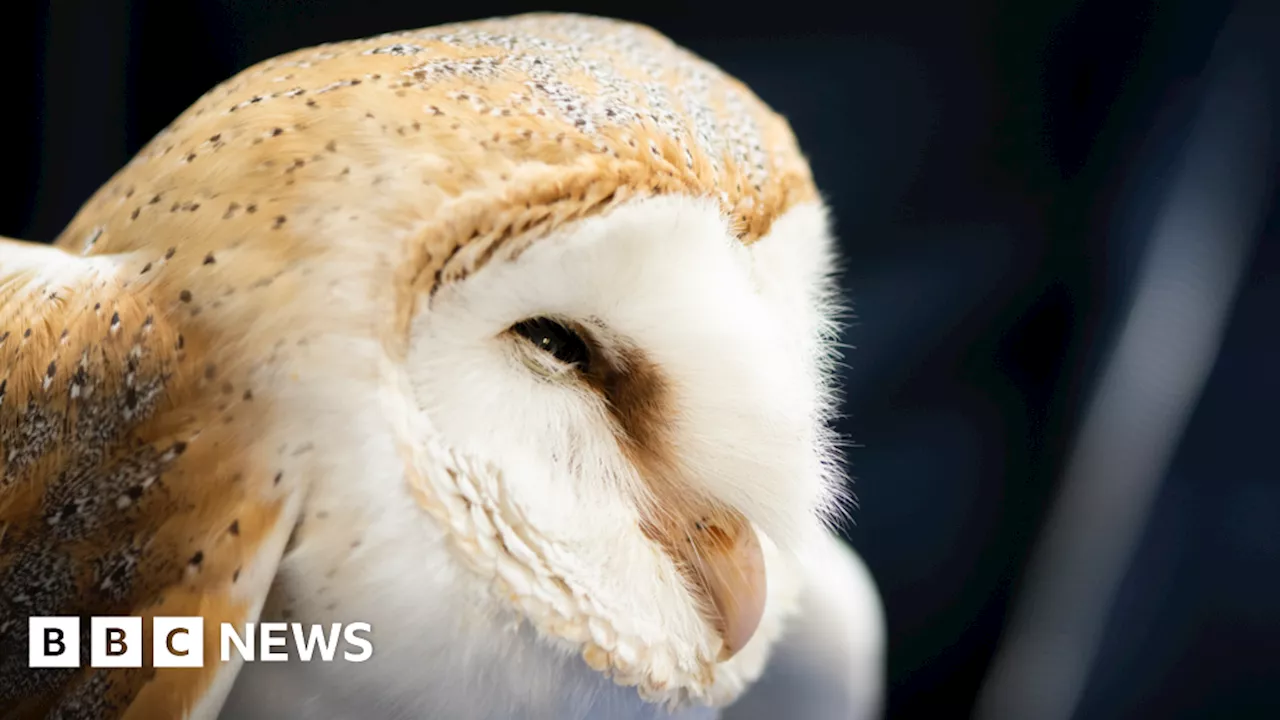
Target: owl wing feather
(121, 488)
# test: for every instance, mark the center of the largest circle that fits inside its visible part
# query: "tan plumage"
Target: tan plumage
(107, 504)
(147, 361)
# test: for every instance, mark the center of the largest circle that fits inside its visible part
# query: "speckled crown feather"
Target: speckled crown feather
(509, 128)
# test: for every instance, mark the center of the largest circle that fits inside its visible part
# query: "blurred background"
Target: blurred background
(1058, 219)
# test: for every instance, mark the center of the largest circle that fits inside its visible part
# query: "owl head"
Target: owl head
(548, 292)
(626, 430)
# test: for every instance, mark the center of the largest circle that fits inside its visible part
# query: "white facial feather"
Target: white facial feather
(741, 333)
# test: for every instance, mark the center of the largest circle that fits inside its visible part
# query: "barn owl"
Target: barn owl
(511, 339)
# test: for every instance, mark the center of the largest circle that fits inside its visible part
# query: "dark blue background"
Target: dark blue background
(993, 165)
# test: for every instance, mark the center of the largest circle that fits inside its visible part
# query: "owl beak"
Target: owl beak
(720, 554)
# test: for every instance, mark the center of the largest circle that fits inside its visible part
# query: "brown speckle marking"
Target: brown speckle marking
(185, 296)
(210, 259)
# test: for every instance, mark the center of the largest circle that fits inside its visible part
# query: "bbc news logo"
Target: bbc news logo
(117, 642)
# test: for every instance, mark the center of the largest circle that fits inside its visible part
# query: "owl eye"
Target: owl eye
(554, 338)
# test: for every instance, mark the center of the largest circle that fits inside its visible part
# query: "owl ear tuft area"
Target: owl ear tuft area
(797, 265)
(799, 250)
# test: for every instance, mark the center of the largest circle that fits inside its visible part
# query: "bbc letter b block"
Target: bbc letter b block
(54, 642)
(115, 642)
